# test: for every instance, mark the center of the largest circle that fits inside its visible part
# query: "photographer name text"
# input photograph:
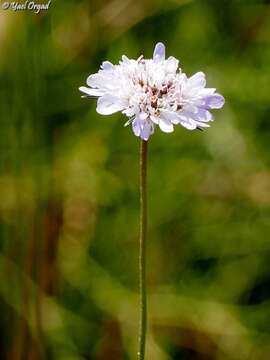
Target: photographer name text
(27, 5)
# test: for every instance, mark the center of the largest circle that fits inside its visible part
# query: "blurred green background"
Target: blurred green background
(69, 187)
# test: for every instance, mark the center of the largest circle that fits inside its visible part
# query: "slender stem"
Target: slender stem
(142, 254)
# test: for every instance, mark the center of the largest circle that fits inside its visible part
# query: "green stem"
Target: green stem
(142, 254)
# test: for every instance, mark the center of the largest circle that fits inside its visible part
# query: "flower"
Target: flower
(153, 92)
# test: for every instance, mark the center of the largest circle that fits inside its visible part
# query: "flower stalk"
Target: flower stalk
(151, 93)
(142, 251)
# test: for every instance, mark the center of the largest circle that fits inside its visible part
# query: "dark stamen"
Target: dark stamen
(154, 90)
(154, 102)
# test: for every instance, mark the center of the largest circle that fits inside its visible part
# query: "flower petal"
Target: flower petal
(125, 59)
(107, 65)
(197, 80)
(142, 128)
(147, 130)
(203, 115)
(129, 111)
(190, 125)
(170, 116)
(165, 125)
(159, 52)
(136, 127)
(207, 91)
(143, 116)
(187, 121)
(95, 80)
(155, 119)
(172, 64)
(91, 92)
(214, 101)
(202, 124)
(109, 104)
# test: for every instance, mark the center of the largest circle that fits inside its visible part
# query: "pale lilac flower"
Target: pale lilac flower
(153, 92)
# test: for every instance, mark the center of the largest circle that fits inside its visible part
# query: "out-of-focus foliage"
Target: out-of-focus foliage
(69, 188)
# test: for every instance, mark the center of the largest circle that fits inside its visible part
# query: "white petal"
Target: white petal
(147, 130)
(155, 119)
(182, 78)
(189, 109)
(190, 125)
(158, 77)
(202, 124)
(203, 115)
(129, 111)
(214, 101)
(95, 80)
(170, 116)
(172, 64)
(143, 116)
(136, 127)
(159, 52)
(125, 59)
(109, 104)
(192, 120)
(187, 121)
(207, 91)
(197, 80)
(107, 65)
(91, 92)
(165, 125)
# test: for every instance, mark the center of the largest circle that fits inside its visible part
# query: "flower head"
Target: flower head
(153, 92)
